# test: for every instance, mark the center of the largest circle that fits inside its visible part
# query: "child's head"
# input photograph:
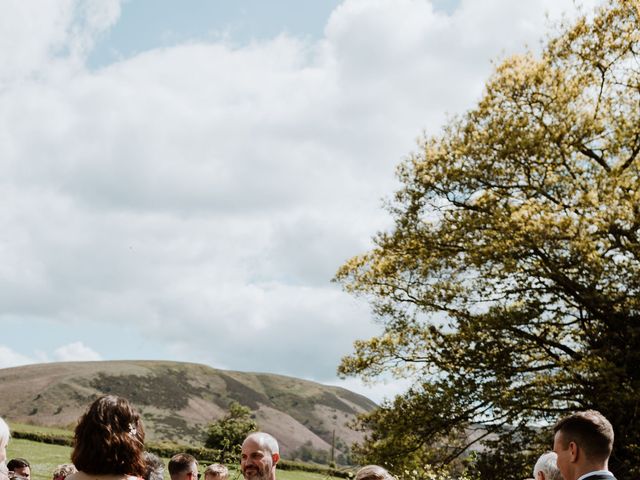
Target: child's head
(216, 472)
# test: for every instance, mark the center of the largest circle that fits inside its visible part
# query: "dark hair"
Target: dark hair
(181, 462)
(17, 463)
(109, 439)
(590, 430)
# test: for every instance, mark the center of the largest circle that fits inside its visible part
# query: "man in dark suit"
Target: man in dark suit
(583, 442)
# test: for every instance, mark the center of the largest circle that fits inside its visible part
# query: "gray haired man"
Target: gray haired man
(546, 467)
(260, 455)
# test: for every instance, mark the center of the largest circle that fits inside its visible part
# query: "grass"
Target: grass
(234, 474)
(44, 458)
(293, 475)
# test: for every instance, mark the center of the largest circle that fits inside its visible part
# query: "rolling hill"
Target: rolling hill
(178, 400)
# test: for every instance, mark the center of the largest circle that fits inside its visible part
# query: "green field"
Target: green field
(44, 458)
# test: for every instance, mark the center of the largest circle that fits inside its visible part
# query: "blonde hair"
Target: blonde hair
(63, 471)
(217, 469)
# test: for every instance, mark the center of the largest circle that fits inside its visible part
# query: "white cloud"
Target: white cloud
(36, 37)
(75, 352)
(72, 352)
(11, 358)
(301, 331)
(379, 391)
(205, 194)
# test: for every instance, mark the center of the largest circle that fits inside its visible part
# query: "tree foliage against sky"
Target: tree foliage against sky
(228, 433)
(509, 286)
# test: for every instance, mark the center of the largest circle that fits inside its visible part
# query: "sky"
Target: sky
(181, 180)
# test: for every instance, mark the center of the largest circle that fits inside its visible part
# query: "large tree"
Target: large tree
(228, 433)
(509, 286)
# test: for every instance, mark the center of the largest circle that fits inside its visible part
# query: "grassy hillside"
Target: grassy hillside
(178, 400)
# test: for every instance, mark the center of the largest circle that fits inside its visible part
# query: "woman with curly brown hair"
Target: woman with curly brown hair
(108, 442)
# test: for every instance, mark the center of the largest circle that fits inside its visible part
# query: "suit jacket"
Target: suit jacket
(600, 477)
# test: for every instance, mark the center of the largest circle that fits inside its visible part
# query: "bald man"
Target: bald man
(260, 455)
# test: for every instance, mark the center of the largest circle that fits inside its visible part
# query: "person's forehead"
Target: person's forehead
(250, 445)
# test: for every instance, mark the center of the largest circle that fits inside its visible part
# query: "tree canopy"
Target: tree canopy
(509, 285)
(228, 433)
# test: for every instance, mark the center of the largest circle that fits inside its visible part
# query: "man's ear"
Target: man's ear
(275, 457)
(540, 475)
(574, 451)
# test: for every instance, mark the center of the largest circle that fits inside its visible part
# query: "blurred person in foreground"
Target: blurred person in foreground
(4, 441)
(216, 471)
(373, 472)
(260, 455)
(63, 471)
(19, 468)
(155, 467)
(108, 442)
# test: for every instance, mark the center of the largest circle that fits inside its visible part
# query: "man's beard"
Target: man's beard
(254, 472)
